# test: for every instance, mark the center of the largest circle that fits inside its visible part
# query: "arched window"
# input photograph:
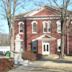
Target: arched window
(34, 27)
(21, 27)
(58, 26)
(46, 26)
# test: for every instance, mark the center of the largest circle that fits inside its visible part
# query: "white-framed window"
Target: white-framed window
(58, 26)
(46, 26)
(58, 45)
(34, 27)
(21, 27)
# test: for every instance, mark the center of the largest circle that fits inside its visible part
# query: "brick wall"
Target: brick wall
(29, 36)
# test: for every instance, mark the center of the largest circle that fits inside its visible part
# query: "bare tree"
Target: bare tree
(65, 18)
(9, 8)
(4, 40)
(65, 21)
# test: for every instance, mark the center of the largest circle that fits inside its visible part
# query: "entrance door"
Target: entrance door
(45, 48)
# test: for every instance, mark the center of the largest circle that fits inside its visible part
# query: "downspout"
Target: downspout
(25, 35)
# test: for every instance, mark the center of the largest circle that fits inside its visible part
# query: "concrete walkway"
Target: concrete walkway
(43, 66)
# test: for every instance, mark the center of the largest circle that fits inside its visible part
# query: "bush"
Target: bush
(8, 54)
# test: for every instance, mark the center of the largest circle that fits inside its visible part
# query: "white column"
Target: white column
(18, 53)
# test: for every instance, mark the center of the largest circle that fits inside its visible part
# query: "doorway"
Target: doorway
(45, 48)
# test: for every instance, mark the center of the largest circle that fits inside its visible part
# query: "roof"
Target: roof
(32, 13)
(49, 10)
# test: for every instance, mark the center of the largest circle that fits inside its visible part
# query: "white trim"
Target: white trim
(42, 38)
(58, 26)
(34, 22)
(45, 44)
(32, 27)
(48, 26)
(43, 18)
(21, 22)
(34, 12)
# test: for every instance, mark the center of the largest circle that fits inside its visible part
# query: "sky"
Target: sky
(24, 6)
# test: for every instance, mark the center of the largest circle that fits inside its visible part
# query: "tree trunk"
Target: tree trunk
(12, 40)
(12, 46)
(63, 27)
(68, 38)
(67, 43)
(62, 46)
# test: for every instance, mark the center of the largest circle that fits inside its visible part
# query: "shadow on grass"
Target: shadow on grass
(57, 60)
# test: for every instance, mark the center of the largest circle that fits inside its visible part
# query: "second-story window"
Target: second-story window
(58, 26)
(46, 26)
(34, 27)
(21, 27)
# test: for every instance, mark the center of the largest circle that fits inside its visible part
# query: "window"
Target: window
(46, 26)
(58, 45)
(58, 26)
(21, 27)
(34, 27)
(34, 46)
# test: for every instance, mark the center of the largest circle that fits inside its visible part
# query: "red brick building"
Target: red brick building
(40, 32)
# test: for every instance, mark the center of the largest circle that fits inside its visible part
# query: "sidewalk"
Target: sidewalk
(43, 66)
(46, 65)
